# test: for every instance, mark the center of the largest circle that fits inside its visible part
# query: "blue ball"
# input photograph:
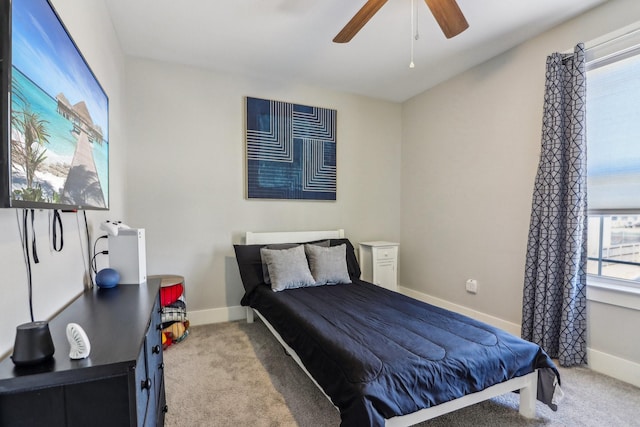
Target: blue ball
(107, 278)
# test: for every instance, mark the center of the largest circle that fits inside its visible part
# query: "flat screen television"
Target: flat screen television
(54, 147)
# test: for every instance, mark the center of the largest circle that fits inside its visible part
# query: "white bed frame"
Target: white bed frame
(527, 384)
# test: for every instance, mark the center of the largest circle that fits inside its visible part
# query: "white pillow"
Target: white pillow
(328, 265)
(288, 268)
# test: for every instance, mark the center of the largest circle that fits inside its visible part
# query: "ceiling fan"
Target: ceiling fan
(446, 12)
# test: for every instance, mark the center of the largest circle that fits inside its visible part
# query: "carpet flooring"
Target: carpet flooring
(237, 374)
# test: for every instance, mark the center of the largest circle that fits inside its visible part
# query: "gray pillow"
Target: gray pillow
(288, 268)
(279, 246)
(328, 265)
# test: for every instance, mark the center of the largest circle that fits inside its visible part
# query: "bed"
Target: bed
(382, 358)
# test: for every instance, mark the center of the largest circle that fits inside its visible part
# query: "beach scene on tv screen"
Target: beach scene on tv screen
(59, 115)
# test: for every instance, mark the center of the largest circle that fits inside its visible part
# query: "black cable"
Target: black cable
(27, 258)
(34, 250)
(57, 220)
(93, 264)
(93, 260)
(86, 228)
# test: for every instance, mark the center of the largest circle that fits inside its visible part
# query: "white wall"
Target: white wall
(187, 173)
(58, 278)
(469, 157)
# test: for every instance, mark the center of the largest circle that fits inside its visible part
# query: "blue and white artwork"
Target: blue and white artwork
(291, 151)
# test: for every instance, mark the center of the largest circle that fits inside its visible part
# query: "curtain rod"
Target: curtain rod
(608, 38)
(614, 39)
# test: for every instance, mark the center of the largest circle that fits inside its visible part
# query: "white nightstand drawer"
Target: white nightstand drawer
(385, 253)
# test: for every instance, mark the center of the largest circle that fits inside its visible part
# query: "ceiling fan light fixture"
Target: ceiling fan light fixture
(446, 12)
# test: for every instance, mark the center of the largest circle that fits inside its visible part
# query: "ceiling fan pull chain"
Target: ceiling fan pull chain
(413, 31)
(417, 31)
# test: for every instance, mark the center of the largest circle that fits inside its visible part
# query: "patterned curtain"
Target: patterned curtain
(554, 300)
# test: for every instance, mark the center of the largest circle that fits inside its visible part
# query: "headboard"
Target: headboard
(261, 238)
(249, 259)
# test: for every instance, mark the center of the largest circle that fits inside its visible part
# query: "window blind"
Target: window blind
(613, 125)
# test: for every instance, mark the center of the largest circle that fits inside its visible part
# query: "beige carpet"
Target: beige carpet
(237, 374)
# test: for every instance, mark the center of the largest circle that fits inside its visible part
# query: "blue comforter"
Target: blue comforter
(379, 354)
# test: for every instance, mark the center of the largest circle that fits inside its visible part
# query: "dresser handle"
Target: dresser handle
(155, 349)
(165, 409)
(161, 366)
(146, 384)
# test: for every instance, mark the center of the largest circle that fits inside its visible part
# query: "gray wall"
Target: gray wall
(449, 174)
(186, 174)
(470, 151)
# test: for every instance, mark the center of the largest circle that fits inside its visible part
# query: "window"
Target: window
(613, 163)
(614, 246)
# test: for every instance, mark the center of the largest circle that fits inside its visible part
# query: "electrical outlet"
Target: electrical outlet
(472, 286)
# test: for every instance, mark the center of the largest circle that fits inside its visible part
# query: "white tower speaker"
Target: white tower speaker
(128, 255)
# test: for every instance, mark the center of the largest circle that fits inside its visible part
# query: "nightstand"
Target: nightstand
(379, 263)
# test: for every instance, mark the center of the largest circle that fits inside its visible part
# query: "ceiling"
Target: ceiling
(290, 41)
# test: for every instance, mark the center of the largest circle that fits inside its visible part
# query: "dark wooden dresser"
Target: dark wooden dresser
(121, 383)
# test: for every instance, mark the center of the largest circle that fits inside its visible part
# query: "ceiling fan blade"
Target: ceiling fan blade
(449, 16)
(359, 19)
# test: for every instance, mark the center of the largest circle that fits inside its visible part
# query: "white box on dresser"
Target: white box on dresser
(128, 255)
(379, 263)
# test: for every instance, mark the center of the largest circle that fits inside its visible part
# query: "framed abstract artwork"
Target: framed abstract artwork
(291, 151)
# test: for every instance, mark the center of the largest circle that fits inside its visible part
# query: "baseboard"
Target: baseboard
(613, 366)
(604, 363)
(228, 314)
(512, 328)
(217, 315)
